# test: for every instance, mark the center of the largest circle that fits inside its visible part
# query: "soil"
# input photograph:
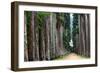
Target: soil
(72, 56)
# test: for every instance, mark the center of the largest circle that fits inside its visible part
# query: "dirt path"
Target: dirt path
(72, 56)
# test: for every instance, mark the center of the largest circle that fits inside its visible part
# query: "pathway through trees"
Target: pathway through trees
(71, 56)
(54, 35)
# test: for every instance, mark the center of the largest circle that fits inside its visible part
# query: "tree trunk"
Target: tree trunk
(53, 23)
(84, 35)
(59, 37)
(30, 39)
(47, 42)
(25, 39)
(42, 41)
(36, 35)
(87, 20)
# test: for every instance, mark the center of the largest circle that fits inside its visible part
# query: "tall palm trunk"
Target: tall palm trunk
(59, 35)
(36, 35)
(30, 39)
(53, 23)
(84, 33)
(47, 36)
(25, 39)
(87, 51)
(42, 41)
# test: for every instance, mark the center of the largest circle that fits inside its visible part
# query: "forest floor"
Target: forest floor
(71, 56)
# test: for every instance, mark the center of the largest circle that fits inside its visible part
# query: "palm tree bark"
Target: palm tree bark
(84, 35)
(60, 49)
(30, 39)
(36, 35)
(42, 42)
(47, 41)
(25, 39)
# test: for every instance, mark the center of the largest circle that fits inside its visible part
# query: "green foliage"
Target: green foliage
(41, 16)
(61, 15)
(75, 28)
(66, 33)
(66, 39)
(75, 24)
(67, 21)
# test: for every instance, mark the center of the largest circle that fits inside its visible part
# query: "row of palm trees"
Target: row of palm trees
(47, 35)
